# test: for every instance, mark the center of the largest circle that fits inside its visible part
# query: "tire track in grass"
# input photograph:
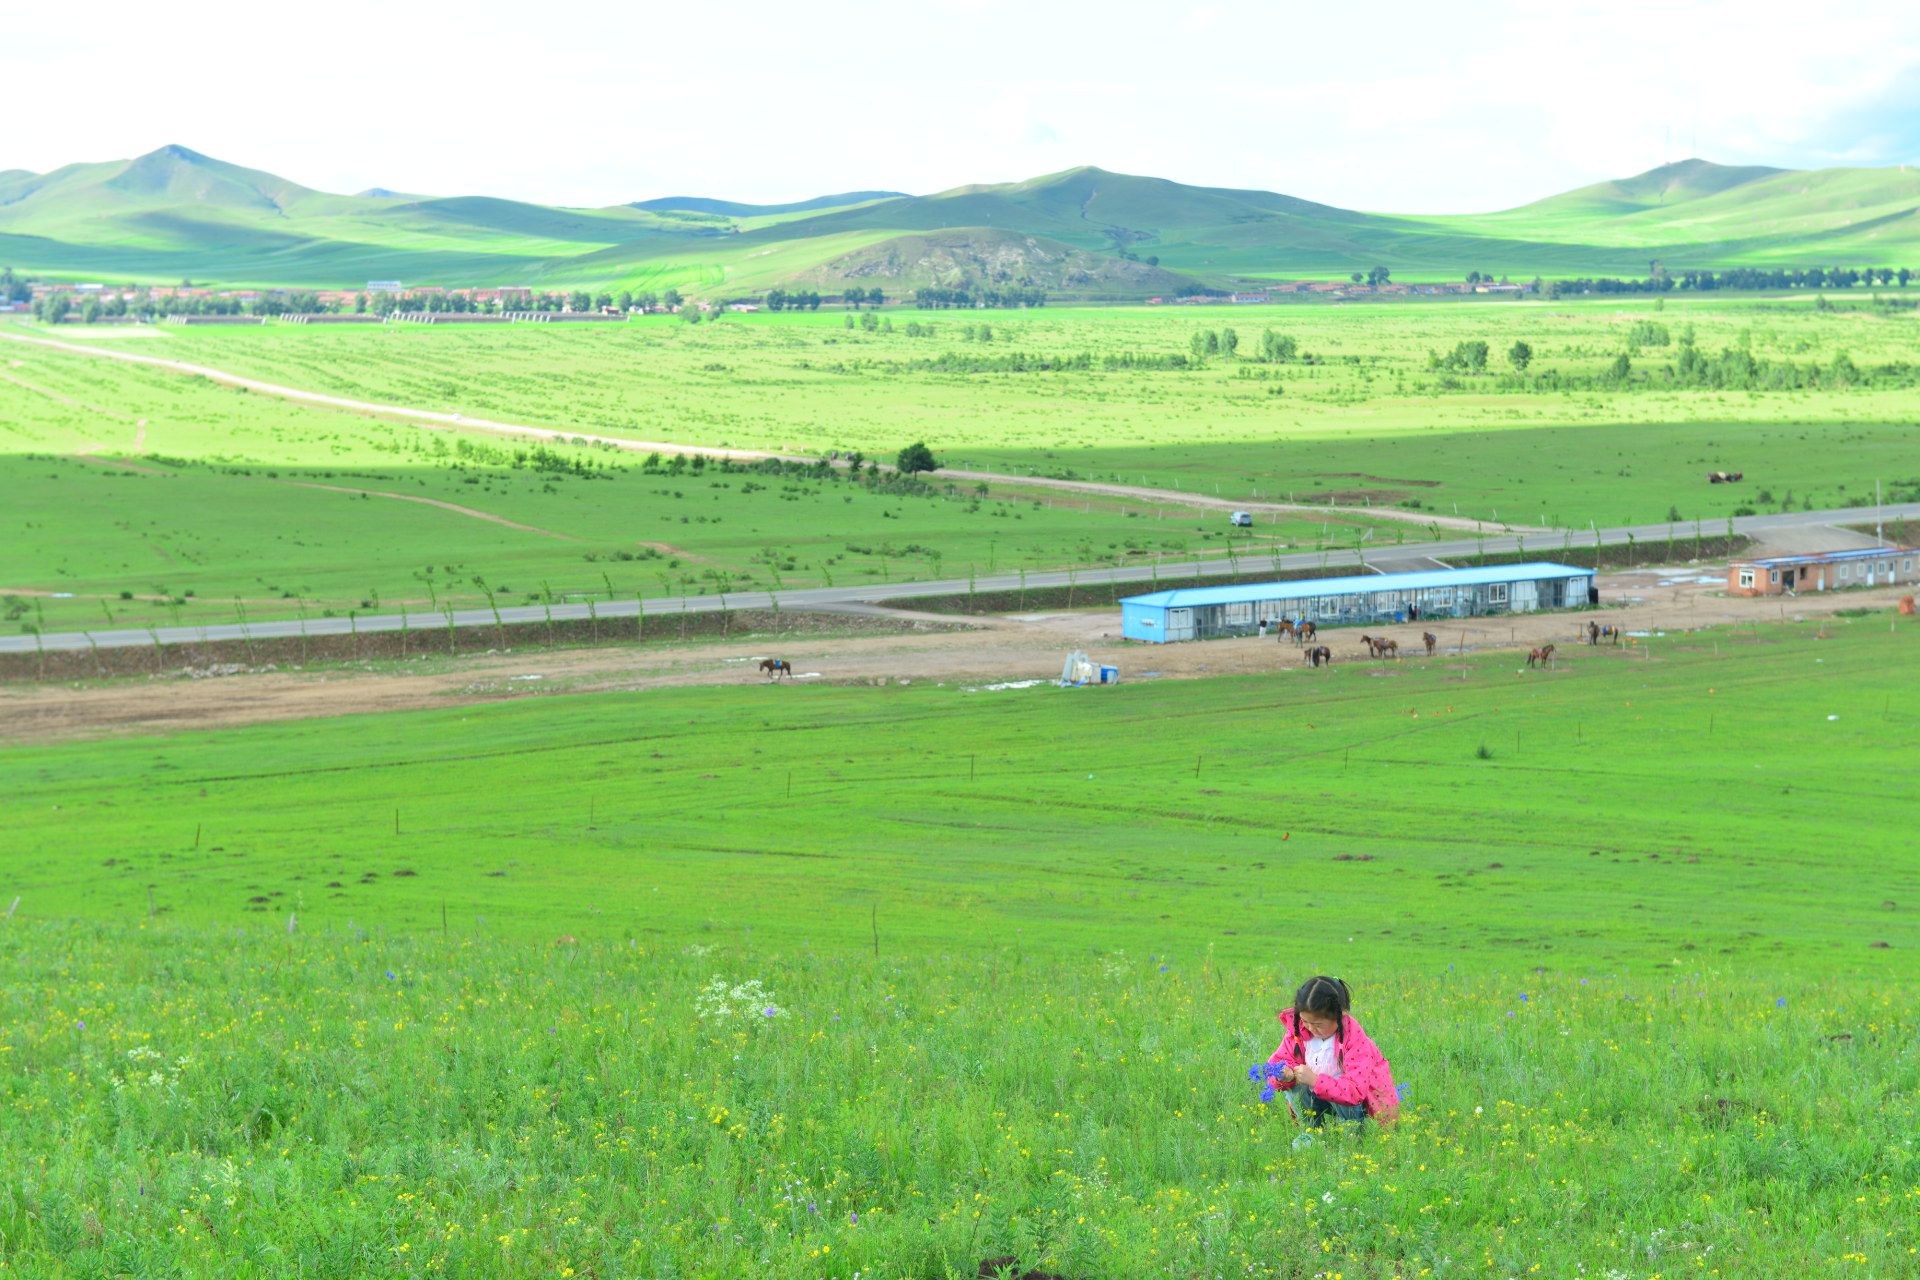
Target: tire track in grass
(457, 509)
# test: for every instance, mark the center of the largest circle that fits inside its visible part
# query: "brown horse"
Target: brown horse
(774, 668)
(1304, 631)
(1381, 647)
(1283, 628)
(1593, 633)
(1319, 655)
(1431, 640)
(1543, 655)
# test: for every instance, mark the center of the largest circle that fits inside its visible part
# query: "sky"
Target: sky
(1384, 105)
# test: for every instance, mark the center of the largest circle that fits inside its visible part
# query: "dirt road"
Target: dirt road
(1013, 647)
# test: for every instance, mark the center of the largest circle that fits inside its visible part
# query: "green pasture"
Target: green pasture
(1139, 816)
(1359, 415)
(141, 497)
(1612, 923)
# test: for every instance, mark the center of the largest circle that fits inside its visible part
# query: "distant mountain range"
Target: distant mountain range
(175, 213)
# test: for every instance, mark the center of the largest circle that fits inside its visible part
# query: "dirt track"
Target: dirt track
(1015, 647)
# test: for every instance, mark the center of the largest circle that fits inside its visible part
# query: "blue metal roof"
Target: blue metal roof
(1828, 557)
(1188, 597)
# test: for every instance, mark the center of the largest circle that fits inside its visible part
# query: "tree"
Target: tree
(854, 297)
(876, 296)
(776, 299)
(673, 299)
(1473, 277)
(1356, 277)
(1229, 342)
(1378, 276)
(1621, 369)
(1212, 340)
(916, 458)
(625, 300)
(869, 321)
(1521, 355)
(1198, 345)
(1277, 348)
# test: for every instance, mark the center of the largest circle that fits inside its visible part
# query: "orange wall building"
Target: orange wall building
(1825, 571)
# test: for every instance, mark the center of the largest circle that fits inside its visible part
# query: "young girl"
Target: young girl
(1327, 1064)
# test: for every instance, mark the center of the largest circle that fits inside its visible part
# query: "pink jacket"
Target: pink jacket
(1364, 1075)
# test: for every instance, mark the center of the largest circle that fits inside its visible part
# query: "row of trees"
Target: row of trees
(933, 299)
(781, 300)
(1275, 348)
(1660, 280)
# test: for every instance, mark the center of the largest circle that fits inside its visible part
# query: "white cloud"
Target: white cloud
(1387, 105)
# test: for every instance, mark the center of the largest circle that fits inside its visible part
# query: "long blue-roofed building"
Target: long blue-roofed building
(1202, 613)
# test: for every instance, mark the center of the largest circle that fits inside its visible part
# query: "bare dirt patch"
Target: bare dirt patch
(997, 650)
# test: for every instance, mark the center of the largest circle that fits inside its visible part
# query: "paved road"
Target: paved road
(1408, 555)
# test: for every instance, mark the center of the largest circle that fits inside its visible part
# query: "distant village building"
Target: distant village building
(1823, 571)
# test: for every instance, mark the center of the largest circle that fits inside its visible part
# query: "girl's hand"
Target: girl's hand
(1304, 1075)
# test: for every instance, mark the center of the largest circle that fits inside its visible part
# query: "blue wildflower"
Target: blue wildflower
(389, 974)
(1523, 997)
(1275, 1070)
(1781, 1003)
(1266, 1094)
(1253, 1073)
(770, 1011)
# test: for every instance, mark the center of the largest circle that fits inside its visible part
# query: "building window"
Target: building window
(1497, 593)
(1773, 575)
(1906, 566)
(1746, 577)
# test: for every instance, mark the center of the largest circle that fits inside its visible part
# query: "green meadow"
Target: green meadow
(825, 981)
(141, 497)
(1359, 413)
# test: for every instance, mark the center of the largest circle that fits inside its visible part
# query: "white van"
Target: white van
(1241, 519)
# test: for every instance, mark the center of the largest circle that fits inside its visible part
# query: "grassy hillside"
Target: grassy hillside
(990, 976)
(175, 212)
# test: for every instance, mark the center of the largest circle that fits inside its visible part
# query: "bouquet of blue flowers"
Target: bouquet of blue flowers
(1264, 1074)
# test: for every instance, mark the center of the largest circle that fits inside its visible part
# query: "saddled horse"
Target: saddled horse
(1432, 641)
(774, 668)
(1304, 631)
(1319, 656)
(1543, 655)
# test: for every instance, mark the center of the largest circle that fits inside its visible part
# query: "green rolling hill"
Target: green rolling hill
(175, 213)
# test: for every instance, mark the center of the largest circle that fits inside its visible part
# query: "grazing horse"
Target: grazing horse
(1430, 640)
(774, 668)
(1543, 655)
(1319, 656)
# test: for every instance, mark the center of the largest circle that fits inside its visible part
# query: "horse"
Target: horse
(774, 668)
(1282, 629)
(1304, 631)
(1430, 640)
(1543, 655)
(1319, 655)
(1386, 648)
(1593, 633)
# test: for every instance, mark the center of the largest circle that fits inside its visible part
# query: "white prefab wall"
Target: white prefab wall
(1525, 597)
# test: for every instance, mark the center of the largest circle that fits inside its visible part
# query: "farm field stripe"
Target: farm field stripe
(1172, 497)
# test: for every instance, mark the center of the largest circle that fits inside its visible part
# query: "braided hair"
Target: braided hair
(1327, 998)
